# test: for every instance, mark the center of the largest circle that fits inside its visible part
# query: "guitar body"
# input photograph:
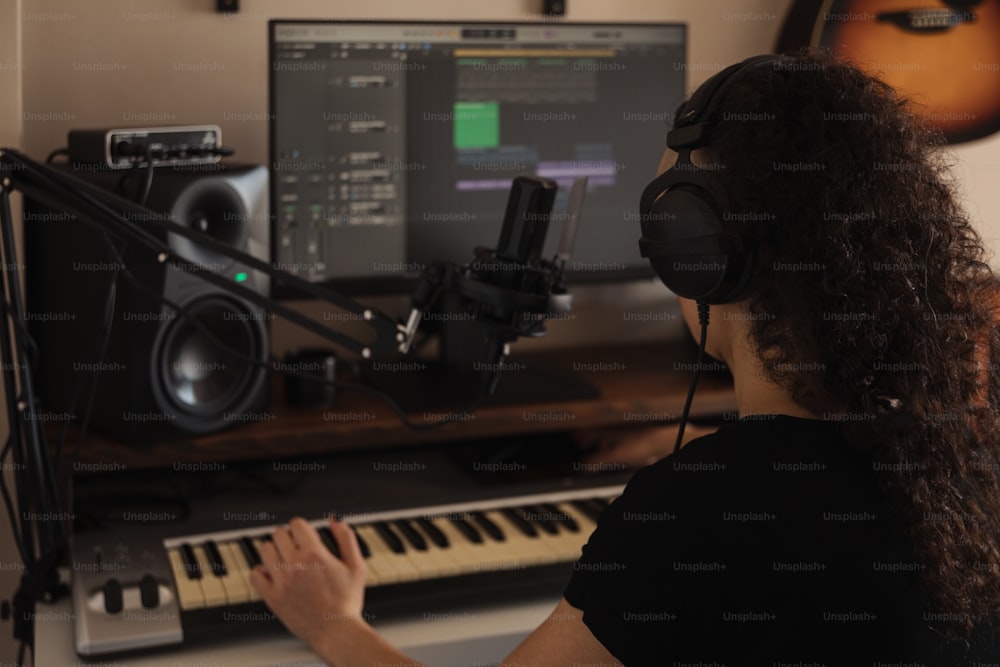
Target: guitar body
(943, 56)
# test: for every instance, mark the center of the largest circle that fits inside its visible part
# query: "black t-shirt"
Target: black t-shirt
(766, 543)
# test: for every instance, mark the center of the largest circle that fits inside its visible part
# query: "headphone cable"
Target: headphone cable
(703, 320)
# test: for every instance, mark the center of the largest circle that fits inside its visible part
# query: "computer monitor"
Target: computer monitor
(393, 144)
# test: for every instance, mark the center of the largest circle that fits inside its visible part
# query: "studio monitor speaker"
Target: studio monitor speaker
(182, 357)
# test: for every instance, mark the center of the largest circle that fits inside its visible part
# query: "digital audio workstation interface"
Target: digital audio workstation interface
(394, 144)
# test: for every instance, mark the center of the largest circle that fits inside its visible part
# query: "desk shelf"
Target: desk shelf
(638, 383)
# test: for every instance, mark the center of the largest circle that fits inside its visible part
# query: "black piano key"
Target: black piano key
(330, 541)
(250, 552)
(488, 526)
(191, 567)
(365, 551)
(434, 533)
(467, 530)
(519, 521)
(591, 511)
(599, 503)
(540, 517)
(565, 520)
(390, 538)
(415, 539)
(215, 562)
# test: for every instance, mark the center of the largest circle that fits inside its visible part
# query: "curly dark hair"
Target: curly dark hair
(867, 269)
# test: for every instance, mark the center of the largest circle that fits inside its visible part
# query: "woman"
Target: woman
(852, 514)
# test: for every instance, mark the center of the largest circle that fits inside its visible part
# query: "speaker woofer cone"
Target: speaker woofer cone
(202, 378)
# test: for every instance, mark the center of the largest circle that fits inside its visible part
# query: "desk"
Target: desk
(636, 384)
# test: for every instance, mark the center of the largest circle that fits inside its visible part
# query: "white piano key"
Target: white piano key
(381, 558)
(459, 550)
(586, 524)
(533, 549)
(237, 578)
(433, 562)
(485, 556)
(566, 544)
(188, 590)
(211, 586)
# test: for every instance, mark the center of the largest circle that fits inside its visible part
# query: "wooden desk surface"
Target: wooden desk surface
(636, 384)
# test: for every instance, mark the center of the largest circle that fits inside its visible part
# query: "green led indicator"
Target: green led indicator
(241, 277)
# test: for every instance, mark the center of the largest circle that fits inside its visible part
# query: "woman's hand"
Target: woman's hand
(312, 591)
(633, 446)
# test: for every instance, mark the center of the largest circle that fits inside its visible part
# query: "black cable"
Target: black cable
(56, 181)
(109, 313)
(122, 180)
(8, 503)
(148, 182)
(141, 193)
(98, 357)
(703, 320)
(221, 151)
(56, 153)
(30, 346)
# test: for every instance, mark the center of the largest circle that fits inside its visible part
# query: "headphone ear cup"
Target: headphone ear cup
(684, 240)
(684, 212)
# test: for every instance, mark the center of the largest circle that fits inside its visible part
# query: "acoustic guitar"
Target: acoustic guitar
(944, 56)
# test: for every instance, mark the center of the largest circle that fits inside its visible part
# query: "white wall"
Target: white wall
(978, 168)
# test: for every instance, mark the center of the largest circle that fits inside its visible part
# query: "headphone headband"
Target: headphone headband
(683, 235)
(691, 123)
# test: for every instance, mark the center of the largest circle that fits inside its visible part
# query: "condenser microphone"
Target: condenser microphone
(511, 289)
(526, 220)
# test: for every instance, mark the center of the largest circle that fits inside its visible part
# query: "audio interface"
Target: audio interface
(124, 148)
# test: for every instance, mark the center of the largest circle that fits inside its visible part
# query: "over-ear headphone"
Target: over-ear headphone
(683, 235)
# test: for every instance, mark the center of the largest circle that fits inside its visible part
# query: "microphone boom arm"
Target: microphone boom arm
(123, 219)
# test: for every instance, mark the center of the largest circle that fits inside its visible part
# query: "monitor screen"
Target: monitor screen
(394, 144)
